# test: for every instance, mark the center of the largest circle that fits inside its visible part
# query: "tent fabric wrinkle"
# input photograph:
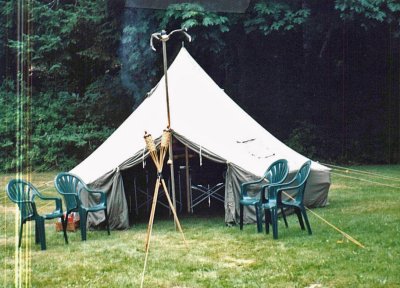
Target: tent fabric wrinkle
(206, 120)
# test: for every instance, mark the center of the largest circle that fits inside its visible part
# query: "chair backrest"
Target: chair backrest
(68, 185)
(301, 179)
(22, 193)
(277, 171)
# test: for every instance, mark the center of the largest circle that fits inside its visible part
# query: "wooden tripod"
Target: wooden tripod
(159, 162)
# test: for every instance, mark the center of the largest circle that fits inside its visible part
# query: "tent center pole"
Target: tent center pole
(188, 188)
(164, 47)
(171, 152)
(171, 162)
(164, 37)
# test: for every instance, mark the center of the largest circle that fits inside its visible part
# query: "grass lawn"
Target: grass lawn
(221, 256)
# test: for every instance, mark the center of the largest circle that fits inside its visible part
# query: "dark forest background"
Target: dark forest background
(321, 75)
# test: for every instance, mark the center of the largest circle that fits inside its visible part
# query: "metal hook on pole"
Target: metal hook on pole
(164, 37)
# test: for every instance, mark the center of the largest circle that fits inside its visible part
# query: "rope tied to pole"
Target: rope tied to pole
(166, 137)
(165, 142)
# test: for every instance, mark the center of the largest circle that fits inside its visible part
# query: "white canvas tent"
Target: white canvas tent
(197, 105)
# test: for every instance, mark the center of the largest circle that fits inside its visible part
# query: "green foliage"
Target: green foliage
(303, 139)
(139, 63)
(76, 41)
(270, 16)
(193, 15)
(138, 73)
(106, 103)
(61, 129)
(92, 62)
(205, 27)
(364, 11)
(71, 49)
(59, 133)
(3, 41)
(8, 123)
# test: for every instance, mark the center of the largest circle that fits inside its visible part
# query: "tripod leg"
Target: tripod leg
(153, 210)
(150, 227)
(173, 210)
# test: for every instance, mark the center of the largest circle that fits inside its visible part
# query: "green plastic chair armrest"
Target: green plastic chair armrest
(273, 185)
(56, 199)
(67, 193)
(290, 187)
(47, 197)
(243, 186)
(279, 191)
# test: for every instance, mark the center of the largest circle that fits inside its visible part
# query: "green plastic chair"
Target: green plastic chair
(23, 193)
(71, 187)
(276, 173)
(275, 200)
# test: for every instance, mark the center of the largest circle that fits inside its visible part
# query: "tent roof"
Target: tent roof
(202, 113)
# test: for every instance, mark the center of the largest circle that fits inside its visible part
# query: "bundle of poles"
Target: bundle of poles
(158, 159)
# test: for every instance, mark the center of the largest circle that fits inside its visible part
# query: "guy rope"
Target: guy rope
(330, 224)
(343, 172)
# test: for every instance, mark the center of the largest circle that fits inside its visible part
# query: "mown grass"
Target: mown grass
(222, 256)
